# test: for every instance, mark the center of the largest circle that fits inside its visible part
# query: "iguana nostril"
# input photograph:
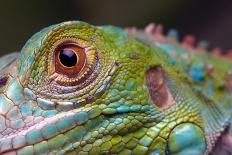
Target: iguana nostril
(3, 80)
(68, 58)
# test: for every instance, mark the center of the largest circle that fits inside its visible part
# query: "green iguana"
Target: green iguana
(80, 89)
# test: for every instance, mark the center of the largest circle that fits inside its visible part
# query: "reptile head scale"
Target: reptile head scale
(76, 88)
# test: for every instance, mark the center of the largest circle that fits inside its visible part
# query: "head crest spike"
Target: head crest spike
(150, 29)
(188, 42)
(217, 51)
(173, 33)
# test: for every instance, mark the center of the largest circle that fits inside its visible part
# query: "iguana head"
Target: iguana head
(77, 88)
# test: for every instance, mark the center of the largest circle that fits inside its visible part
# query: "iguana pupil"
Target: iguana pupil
(68, 58)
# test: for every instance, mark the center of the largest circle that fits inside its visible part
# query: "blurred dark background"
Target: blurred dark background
(206, 19)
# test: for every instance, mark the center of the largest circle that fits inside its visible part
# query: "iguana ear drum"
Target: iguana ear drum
(157, 87)
(69, 59)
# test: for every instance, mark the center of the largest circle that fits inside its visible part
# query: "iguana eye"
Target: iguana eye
(68, 64)
(69, 59)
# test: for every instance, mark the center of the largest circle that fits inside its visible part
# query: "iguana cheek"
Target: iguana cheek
(187, 138)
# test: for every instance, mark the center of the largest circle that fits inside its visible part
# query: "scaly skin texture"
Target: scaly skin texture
(137, 94)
